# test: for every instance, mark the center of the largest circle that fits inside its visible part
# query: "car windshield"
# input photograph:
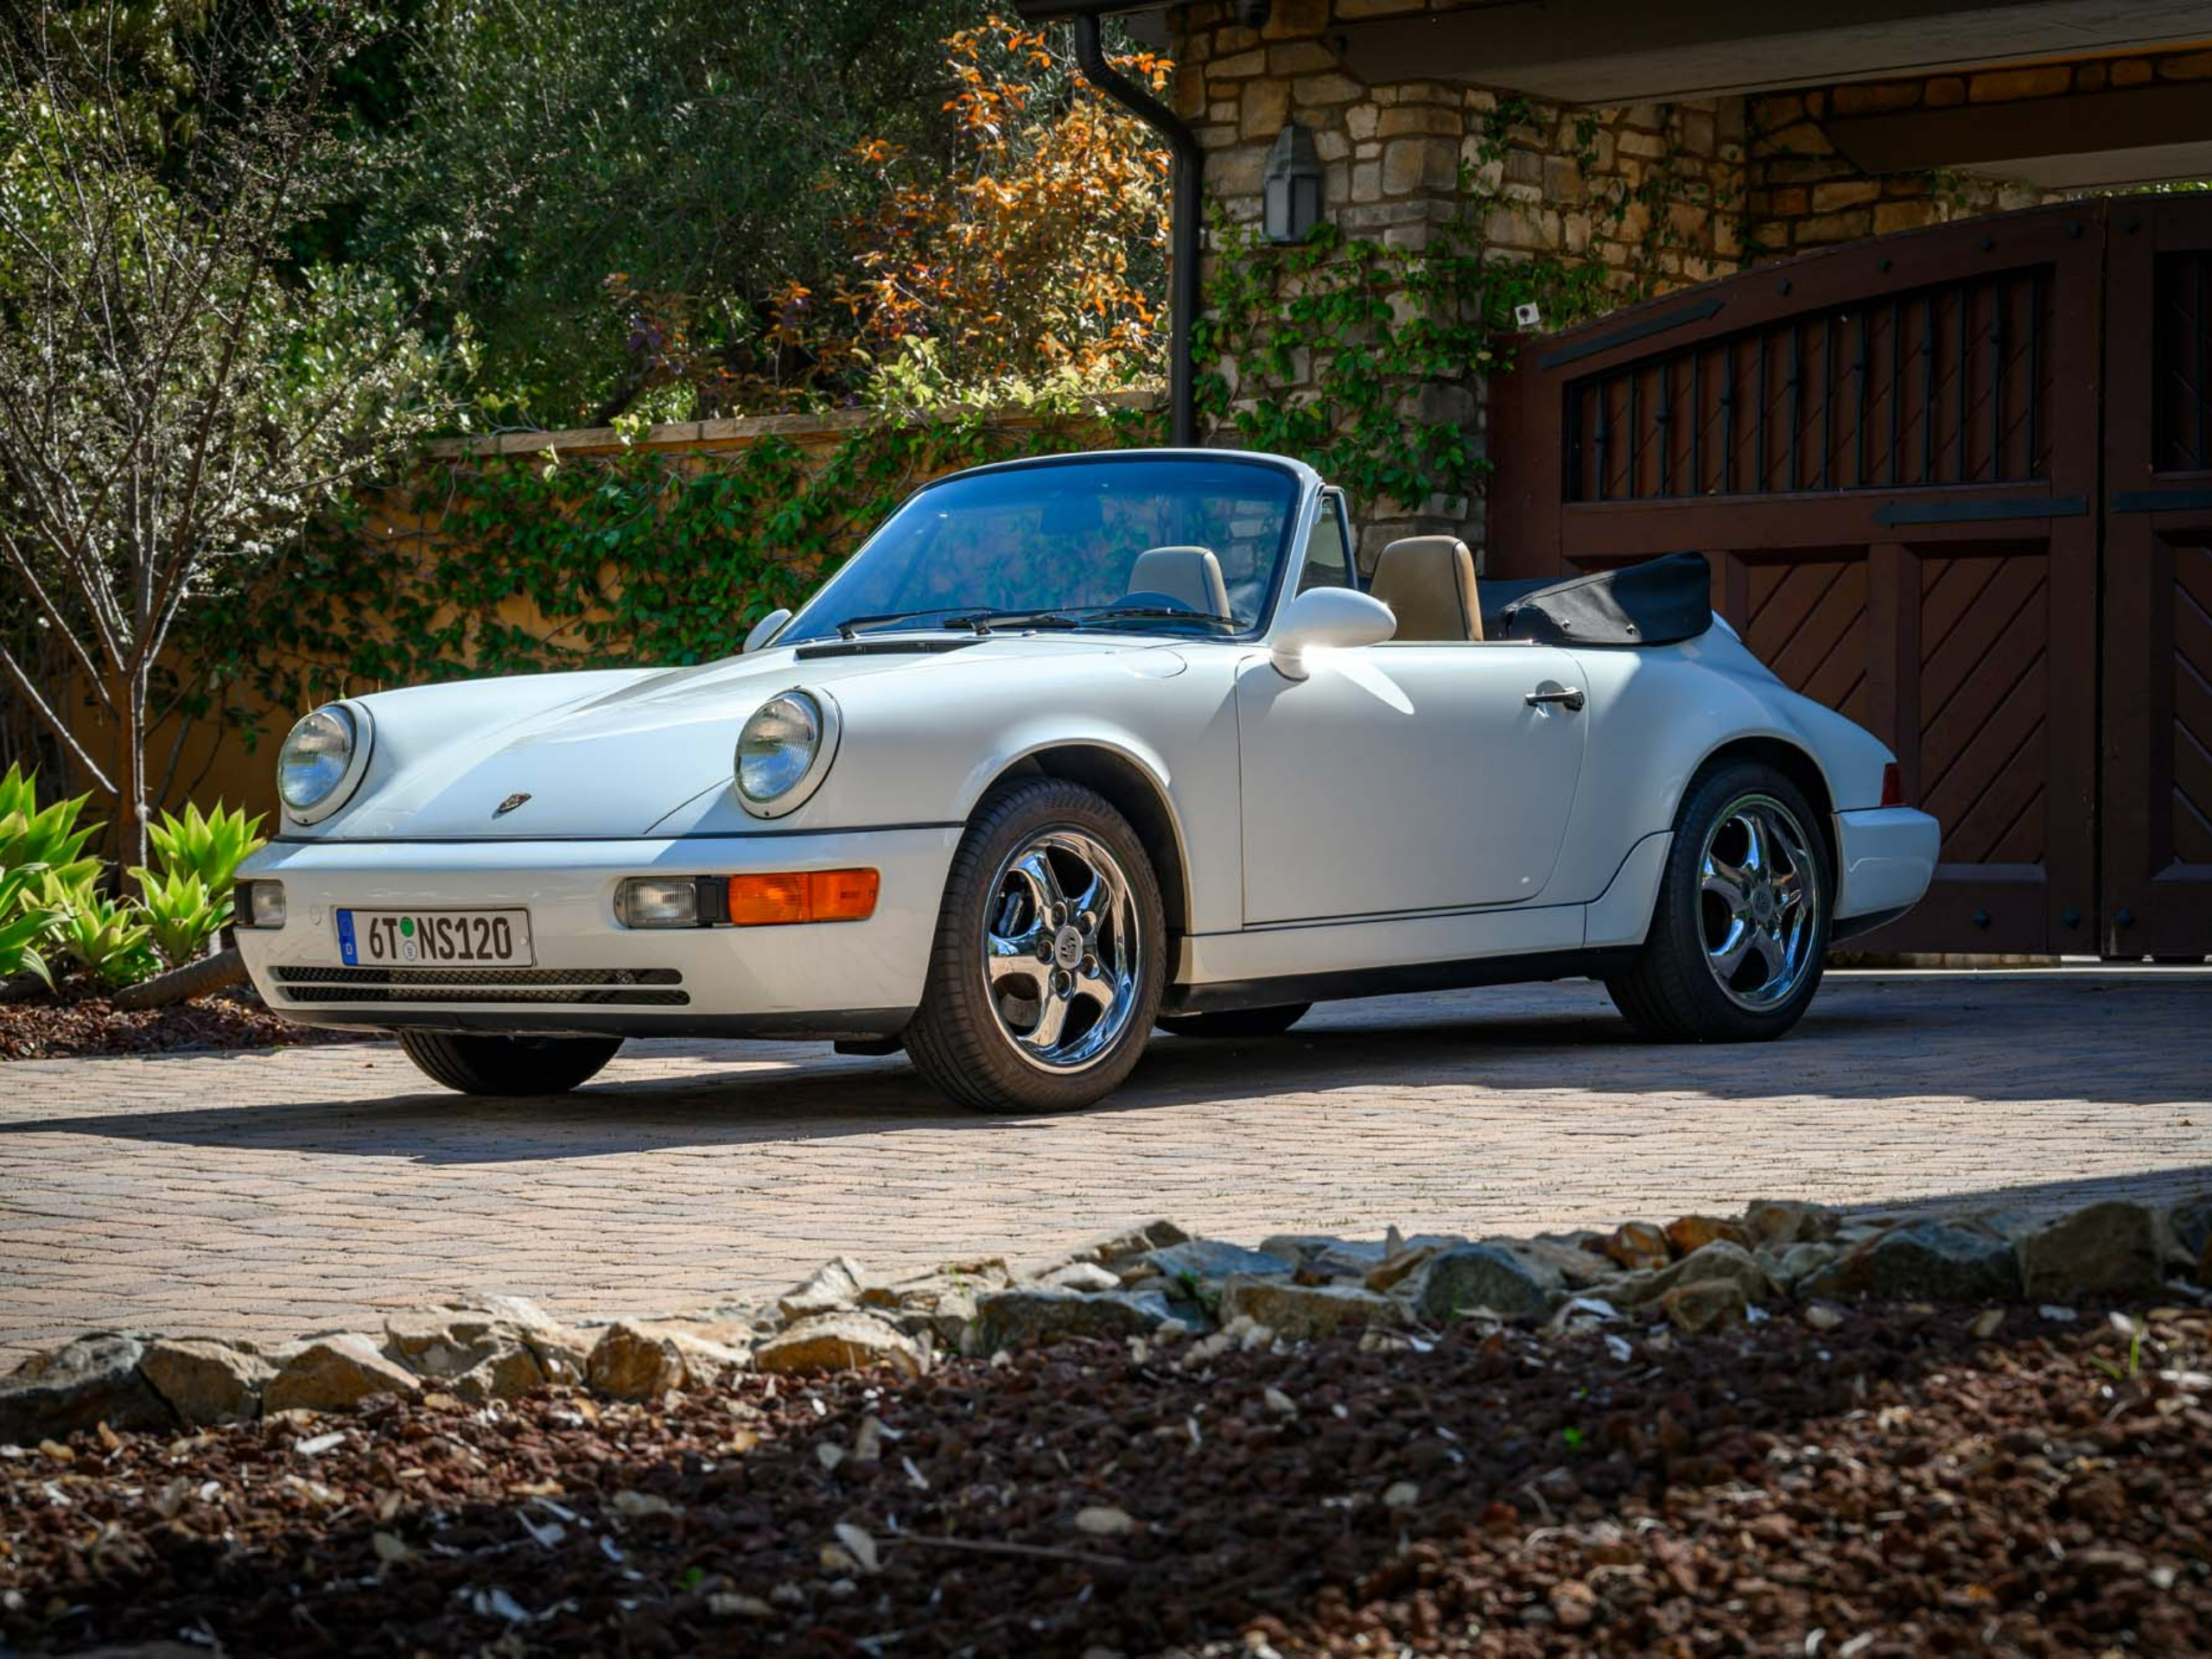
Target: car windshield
(1187, 544)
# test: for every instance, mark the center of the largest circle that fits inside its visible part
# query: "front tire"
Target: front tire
(507, 1065)
(1236, 1022)
(1050, 957)
(1739, 935)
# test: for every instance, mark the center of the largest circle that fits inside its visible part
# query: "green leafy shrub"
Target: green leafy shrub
(100, 935)
(180, 912)
(51, 838)
(24, 924)
(210, 846)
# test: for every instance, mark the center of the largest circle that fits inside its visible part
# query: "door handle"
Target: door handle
(1569, 697)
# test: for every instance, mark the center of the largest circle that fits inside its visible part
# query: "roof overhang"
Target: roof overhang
(2143, 134)
(1613, 52)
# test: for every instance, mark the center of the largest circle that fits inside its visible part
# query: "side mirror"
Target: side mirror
(763, 631)
(1327, 618)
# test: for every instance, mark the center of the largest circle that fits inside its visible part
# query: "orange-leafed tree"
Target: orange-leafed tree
(1036, 248)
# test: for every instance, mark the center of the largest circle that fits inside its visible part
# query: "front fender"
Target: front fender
(924, 753)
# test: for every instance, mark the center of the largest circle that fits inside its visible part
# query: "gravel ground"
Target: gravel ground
(1906, 1482)
(55, 1028)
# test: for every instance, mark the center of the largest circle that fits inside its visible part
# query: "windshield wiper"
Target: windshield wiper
(850, 627)
(1154, 614)
(976, 622)
(982, 620)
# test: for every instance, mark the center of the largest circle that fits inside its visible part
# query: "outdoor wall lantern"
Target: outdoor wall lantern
(1291, 188)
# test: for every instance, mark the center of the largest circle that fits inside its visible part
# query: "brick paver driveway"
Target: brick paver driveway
(268, 1194)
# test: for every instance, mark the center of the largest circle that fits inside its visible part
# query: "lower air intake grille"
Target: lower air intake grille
(591, 987)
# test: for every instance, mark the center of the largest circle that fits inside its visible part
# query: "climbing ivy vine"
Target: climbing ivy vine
(1360, 356)
(520, 563)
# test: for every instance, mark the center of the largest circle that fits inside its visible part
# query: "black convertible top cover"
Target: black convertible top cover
(1655, 603)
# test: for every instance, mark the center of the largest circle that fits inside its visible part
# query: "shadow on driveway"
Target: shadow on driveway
(2128, 1043)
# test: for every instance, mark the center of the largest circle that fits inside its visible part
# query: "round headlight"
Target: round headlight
(318, 759)
(779, 750)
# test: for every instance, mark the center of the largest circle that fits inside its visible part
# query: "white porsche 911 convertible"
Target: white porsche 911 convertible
(1073, 747)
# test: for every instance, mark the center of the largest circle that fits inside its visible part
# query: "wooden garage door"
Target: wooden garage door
(1890, 453)
(2157, 581)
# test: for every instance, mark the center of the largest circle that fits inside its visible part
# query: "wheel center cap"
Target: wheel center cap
(1067, 948)
(1763, 904)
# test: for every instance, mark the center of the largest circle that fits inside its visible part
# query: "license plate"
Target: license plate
(434, 938)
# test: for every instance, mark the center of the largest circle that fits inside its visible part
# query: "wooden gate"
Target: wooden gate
(1898, 456)
(2157, 580)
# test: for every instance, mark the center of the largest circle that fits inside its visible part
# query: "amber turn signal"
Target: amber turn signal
(802, 896)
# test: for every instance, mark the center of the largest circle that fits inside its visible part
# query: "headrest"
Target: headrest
(1428, 583)
(1190, 575)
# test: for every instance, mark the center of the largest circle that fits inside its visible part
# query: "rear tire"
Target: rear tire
(1739, 935)
(1236, 1022)
(1049, 957)
(507, 1065)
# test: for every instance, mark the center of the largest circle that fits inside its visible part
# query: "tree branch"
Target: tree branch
(54, 723)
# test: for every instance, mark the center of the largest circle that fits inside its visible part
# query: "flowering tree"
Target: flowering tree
(177, 392)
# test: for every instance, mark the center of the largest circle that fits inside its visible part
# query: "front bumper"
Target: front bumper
(1886, 857)
(590, 974)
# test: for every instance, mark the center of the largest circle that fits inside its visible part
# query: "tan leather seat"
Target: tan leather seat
(1192, 575)
(1428, 583)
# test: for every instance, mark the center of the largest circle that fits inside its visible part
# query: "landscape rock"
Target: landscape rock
(2117, 1247)
(335, 1374)
(1036, 1316)
(204, 1380)
(1300, 1248)
(1562, 1262)
(1932, 1261)
(446, 1342)
(2192, 1224)
(1720, 1262)
(94, 1380)
(643, 1359)
(836, 1284)
(508, 1374)
(1482, 1278)
(1705, 1304)
(838, 1342)
(1690, 1234)
(1206, 1261)
(1117, 1247)
(1633, 1245)
(1788, 1222)
(1392, 1271)
(1797, 1262)
(1302, 1312)
(941, 1304)
(1085, 1276)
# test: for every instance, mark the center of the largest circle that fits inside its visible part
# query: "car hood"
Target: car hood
(612, 754)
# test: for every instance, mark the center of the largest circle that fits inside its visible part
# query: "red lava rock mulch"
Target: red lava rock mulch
(1892, 1487)
(54, 1028)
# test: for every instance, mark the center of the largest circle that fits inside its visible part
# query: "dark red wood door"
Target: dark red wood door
(1890, 453)
(2157, 580)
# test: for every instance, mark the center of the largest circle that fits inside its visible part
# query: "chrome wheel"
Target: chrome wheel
(1759, 902)
(1063, 954)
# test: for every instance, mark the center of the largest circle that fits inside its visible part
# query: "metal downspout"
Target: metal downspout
(1183, 231)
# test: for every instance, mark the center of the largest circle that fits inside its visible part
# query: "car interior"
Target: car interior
(1187, 575)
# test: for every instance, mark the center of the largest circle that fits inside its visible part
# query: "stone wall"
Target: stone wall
(1649, 193)
(1801, 193)
(1645, 199)
(1412, 155)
